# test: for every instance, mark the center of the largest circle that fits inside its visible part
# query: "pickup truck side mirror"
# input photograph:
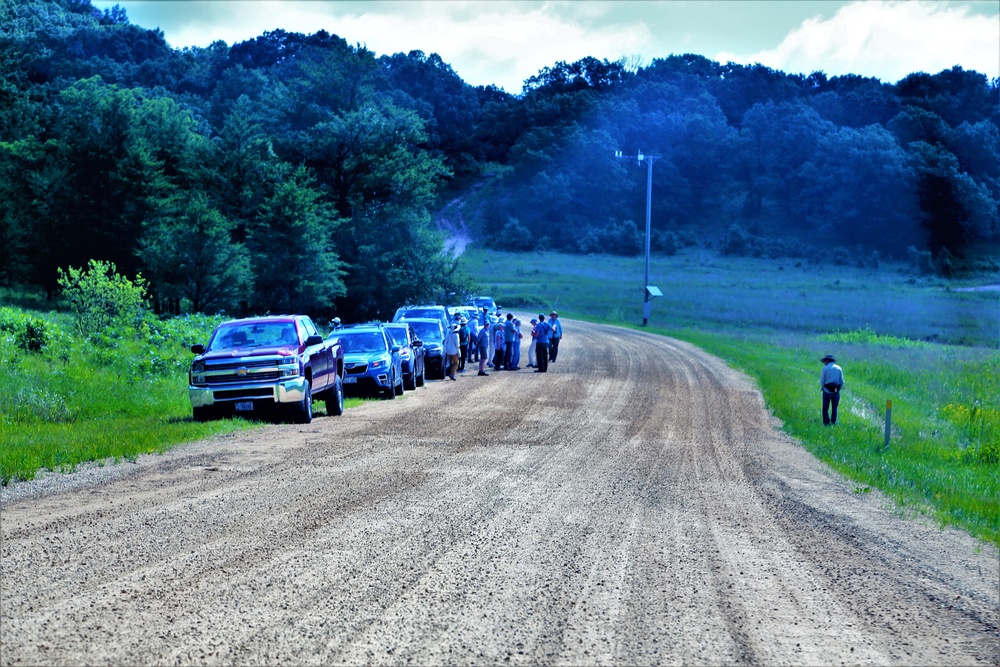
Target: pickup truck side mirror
(315, 339)
(198, 348)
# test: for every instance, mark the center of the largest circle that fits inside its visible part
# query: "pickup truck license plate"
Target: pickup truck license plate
(244, 406)
(350, 380)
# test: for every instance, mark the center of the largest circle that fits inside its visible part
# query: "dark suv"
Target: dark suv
(430, 333)
(411, 350)
(406, 313)
(372, 361)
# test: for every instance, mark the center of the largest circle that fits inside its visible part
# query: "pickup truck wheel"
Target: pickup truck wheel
(410, 381)
(419, 382)
(335, 399)
(399, 388)
(302, 412)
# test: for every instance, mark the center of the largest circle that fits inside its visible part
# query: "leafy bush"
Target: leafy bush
(30, 333)
(920, 260)
(613, 239)
(99, 297)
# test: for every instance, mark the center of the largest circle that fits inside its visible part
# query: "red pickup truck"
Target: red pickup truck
(260, 365)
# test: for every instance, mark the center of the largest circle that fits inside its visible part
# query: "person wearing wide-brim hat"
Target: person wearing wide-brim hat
(555, 336)
(451, 350)
(831, 381)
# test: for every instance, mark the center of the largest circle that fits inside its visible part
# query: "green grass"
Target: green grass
(930, 350)
(113, 396)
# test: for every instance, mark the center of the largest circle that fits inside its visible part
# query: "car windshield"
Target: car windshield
(255, 334)
(398, 335)
(362, 341)
(422, 312)
(427, 330)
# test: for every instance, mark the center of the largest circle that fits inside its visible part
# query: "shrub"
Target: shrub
(736, 242)
(945, 263)
(30, 333)
(99, 297)
(920, 260)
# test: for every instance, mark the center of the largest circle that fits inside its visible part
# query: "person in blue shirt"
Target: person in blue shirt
(509, 339)
(831, 381)
(542, 344)
(556, 335)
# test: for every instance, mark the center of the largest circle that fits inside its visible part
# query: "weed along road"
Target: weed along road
(635, 505)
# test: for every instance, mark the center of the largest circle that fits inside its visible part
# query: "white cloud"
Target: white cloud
(887, 40)
(500, 43)
(493, 43)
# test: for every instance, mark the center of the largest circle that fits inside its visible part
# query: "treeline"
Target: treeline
(300, 173)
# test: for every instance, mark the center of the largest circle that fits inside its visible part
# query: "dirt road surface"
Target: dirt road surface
(633, 506)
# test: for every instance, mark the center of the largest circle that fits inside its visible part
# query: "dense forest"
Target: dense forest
(301, 173)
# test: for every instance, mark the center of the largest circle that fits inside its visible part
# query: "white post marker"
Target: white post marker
(888, 422)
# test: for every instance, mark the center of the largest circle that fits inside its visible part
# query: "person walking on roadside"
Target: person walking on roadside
(555, 336)
(463, 343)
(509, 340)
(542, 344)
(831, 381)
(531, 343)
(483, 348)
(452, 349)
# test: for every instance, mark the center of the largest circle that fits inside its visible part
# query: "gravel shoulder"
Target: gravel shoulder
(635, 505)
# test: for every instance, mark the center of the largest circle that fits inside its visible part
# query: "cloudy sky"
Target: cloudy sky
(504, 42)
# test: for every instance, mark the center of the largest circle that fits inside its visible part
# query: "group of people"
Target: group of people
(495, 341)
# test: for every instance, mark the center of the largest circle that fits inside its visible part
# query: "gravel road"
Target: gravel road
(635, 505)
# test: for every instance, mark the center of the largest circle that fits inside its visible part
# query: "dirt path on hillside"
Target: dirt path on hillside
(634, 505)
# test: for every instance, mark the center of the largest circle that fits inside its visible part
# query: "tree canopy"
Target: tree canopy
(301, 172)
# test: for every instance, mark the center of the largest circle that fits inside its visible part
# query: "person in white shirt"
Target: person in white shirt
(452, 350)
(831, 381)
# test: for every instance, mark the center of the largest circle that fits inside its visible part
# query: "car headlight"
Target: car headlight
(288, 367)
(198, 367)
(379, 363)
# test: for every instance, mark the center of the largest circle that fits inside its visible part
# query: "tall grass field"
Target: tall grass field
(932, 347)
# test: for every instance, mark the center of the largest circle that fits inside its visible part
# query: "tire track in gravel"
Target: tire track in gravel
(633, 506)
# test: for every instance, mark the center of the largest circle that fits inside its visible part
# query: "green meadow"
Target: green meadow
(927, 345)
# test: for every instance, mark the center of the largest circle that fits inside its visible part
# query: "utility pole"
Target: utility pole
(649, 291)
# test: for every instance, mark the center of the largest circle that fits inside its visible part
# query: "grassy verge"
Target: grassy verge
(931, 350)
(944, 447)
(111, 396)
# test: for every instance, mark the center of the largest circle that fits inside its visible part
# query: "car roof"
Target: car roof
(362, 327)
(264, 319)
